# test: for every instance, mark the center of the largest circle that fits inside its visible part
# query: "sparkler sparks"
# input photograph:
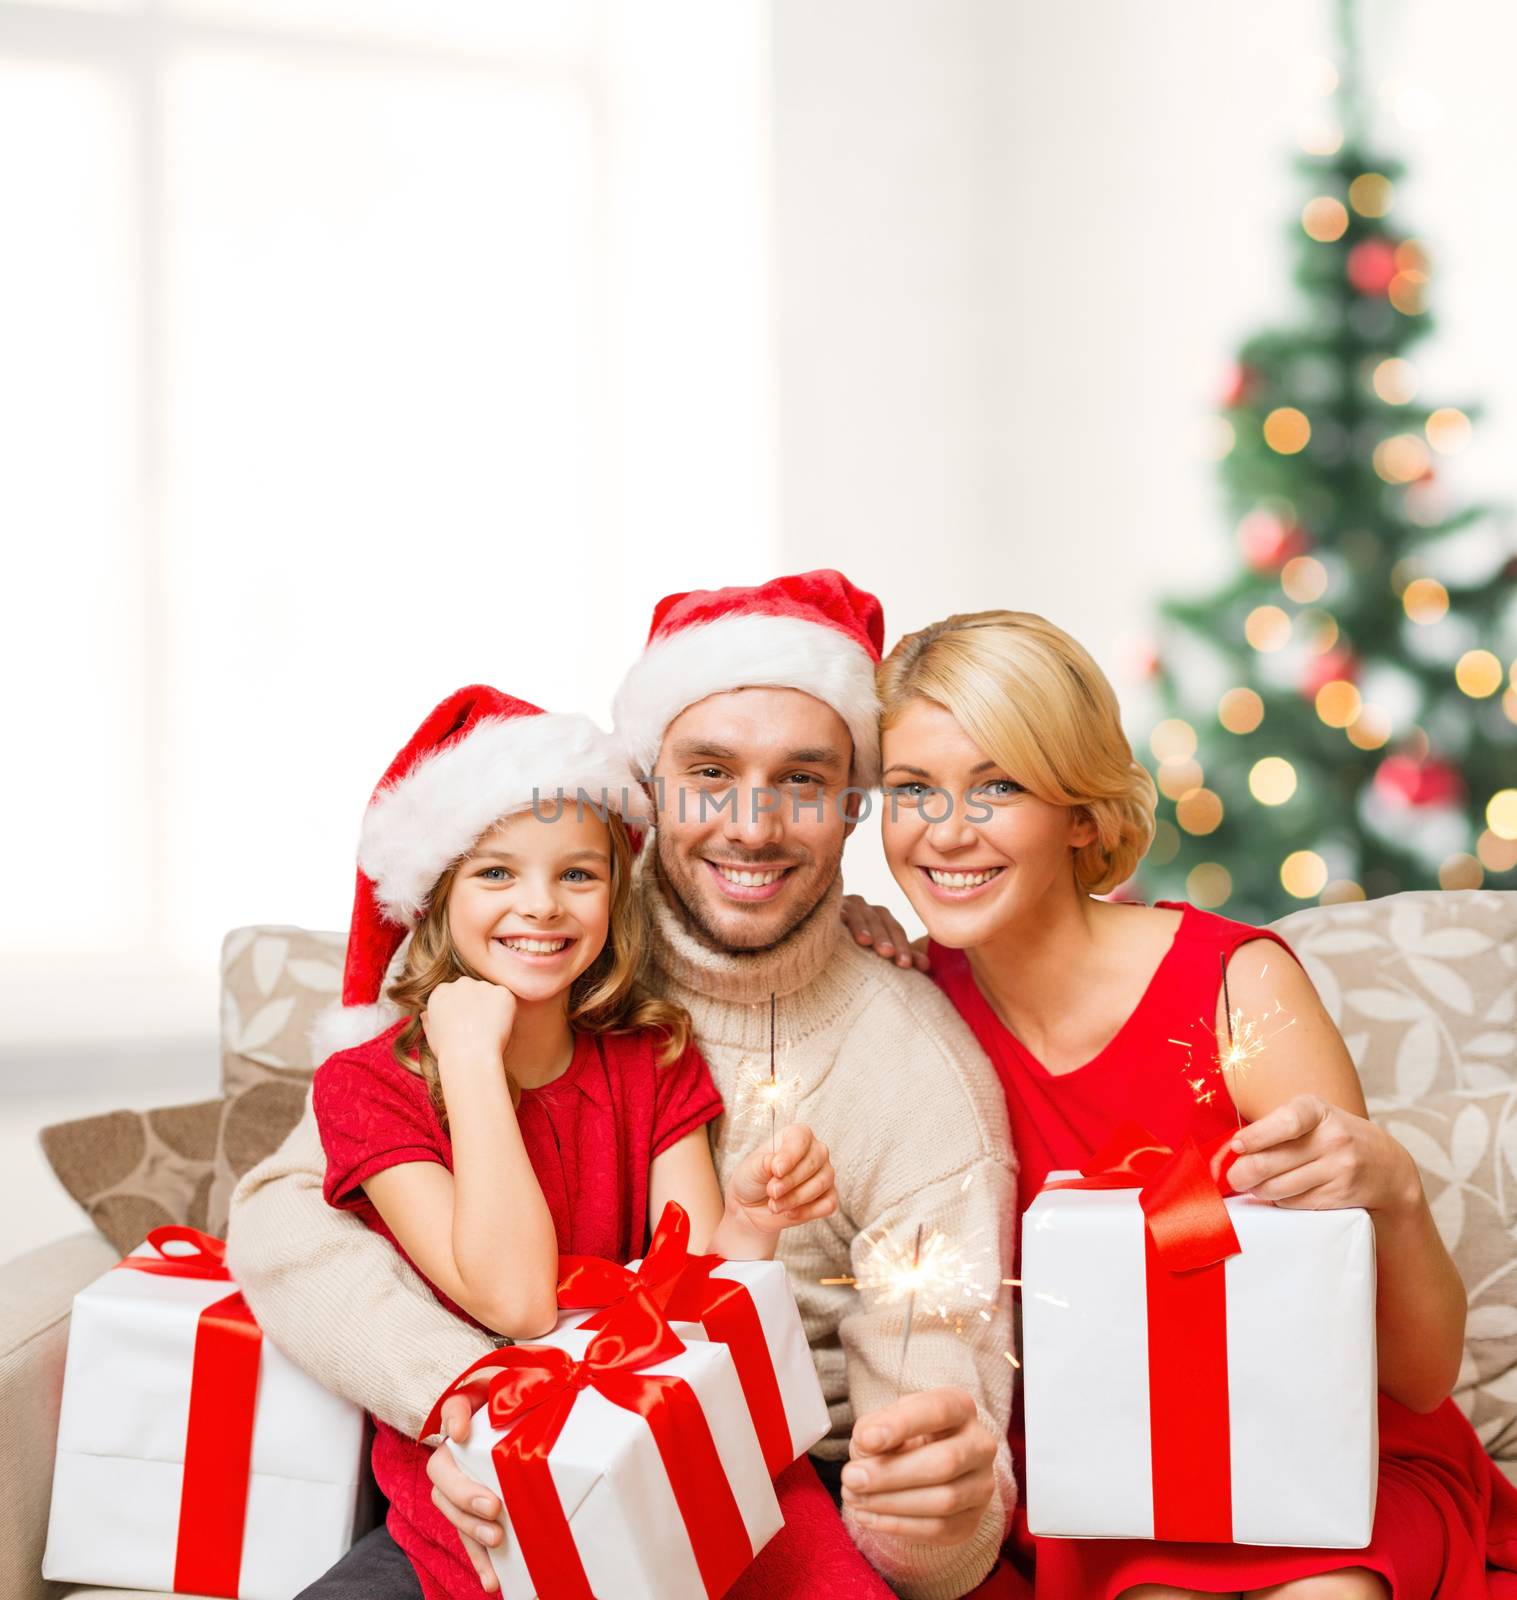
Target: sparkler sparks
(1248, 1036)
(767, 1097)
(929, 1272)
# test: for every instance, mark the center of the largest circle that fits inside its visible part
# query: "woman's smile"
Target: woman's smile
(958, 883)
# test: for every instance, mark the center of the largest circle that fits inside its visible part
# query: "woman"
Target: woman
(1013, 799)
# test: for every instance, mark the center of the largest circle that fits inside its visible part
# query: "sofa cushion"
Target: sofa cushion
(1465, 1143)
(1422, 986)
(137, 1170)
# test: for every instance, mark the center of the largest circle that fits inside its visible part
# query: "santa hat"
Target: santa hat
(813, 631)
(478, 757)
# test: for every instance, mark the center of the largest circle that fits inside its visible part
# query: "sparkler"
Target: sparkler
(767, 1096)
(1247, 1038)
(931, 1274)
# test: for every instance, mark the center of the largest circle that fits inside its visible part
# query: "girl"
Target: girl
(523, 1096)
(1076, 1000)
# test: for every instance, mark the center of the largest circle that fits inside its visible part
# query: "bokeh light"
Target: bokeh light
(1304, 874)
(1272, 781)
(1425, 600)
(1371, 194)
(1320, 136)
(1408, 293)
(1166, 845)
(1402, 458)
(1338, 702)
(1216, 438)
(1448, 430)
(1496, 854)
(1304, 579)
(1267, 628)
(1178, 777)
(1501, 814)
(1240, 711)
(1478, 674)
(1208, 885)
(1199, 811)
(1173, 740)
(1340, 891)
(1461, 871)
(1287, 430)
(1325, 219)
(1395, 381)
(1370, 729)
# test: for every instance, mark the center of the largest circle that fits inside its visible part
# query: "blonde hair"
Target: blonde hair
(609, 996)
(1037, 704)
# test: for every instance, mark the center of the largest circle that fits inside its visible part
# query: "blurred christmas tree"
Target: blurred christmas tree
(1339, 719)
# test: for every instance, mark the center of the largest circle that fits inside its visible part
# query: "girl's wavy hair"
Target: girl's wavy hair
(609, 996)
(1036, 703)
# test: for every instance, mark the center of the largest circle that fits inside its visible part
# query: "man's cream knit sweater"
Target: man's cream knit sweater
(891, 1080)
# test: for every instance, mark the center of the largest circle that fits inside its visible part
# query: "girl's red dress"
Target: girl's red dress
(591, 1135)
(1444, 1511)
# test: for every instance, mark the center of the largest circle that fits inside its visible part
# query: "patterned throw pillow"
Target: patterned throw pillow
(1422, 986)
(133, 1171)
(1465, 1143)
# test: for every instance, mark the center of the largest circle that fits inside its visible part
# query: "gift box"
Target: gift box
(746, 1305)
(626, 1462)
(1197, 1365)
(192, 1455)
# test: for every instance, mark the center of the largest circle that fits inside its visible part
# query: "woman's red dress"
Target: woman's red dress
(1444, 1514)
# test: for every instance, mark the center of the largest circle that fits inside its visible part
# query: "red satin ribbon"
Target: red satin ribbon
(725, 1309)
(1188, 1237)
(681, 1285)
(590, 1281)
(530, 1391)
(218, 1443)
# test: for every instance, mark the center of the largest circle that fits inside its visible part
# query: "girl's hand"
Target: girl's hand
(1310, 1155)
(468, 1017)
(792, 1184)
(874, 926)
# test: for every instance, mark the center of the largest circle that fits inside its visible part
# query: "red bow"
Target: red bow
(218, 1442)
(531, 1389)
(1188, 1237)
(590, 1281)
(682, 1287)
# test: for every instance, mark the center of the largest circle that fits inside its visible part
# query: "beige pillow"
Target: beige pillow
(1422, 986)
(133, 1171)
(1465, 1143)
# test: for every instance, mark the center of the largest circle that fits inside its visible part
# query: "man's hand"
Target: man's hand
(472, 1509)
(922, 1468)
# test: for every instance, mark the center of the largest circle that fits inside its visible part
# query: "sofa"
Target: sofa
(1422, 985)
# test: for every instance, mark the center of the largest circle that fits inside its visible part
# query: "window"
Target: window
(353, 350)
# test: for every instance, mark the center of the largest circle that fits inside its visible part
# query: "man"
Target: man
(753, 710)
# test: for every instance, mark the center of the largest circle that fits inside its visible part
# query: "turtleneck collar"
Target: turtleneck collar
(736, 977)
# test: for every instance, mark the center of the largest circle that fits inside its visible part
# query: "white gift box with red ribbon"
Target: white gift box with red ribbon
(1234, 1401)
(192, 1455)
(746, 1305)
(646, 1482)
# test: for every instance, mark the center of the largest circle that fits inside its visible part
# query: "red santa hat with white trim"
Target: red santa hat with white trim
(813, 631)
(479, 756)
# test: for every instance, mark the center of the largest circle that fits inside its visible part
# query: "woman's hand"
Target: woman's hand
(1310, 1155)
(469, 1018)
(874, 926)
(794, 1183)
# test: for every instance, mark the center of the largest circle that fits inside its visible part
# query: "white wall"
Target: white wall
(1017, 244)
